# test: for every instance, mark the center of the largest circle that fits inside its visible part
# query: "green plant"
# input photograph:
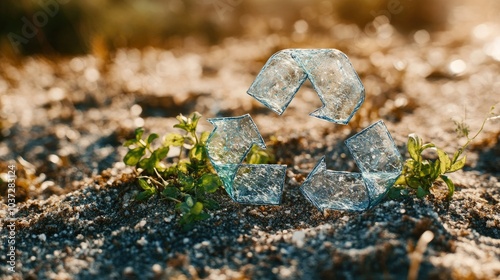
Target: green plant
(256, 155)
(420, 175)
(187, 181)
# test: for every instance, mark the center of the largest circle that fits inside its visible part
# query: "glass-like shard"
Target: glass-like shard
(232, 139)
(330, 72)
(278, 81)
(374, 150)
(378, 184)
(335, 190)
(377, 157)
(259, 183)
(226, 173)
(379, 162)
(335, 81)
(227, 147)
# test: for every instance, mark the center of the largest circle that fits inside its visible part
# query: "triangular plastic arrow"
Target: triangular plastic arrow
(227, 146)
(380, 164)
(330, 72)
(336, 190)
(232, 138)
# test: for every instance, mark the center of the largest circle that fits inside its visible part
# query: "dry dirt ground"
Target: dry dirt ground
(63, 122)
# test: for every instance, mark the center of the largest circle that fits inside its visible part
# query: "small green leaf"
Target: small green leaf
(171, 192)
(181, 118)
(414, 146)
(182, 126)
(134, 156)
(428, 146)
(436, 167)
(161, 153)
(189, 201)
(449, 183)
(394, 193)
(144, 185)
(426, 169)
(411, 164)
(421, 192)
(144, 195)
(151, 138)
(197, 208)
(186, 181)
(197, 153)
(413, 182)
(459, 164)
(204, 137)
(129, 142)
(183, 123)
(401, 181)
(138, 133)
(173, 139)
(148, 164)
(210, 182)
(444, 159)
(194, 117)
(183, 207)
(182, 166)
(257, 156)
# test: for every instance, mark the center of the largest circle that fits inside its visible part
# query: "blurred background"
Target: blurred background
(77, 77)
(78, 27)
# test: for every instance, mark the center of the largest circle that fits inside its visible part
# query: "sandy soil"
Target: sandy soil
(63, 122)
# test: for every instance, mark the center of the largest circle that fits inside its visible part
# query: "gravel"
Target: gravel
(99, 232)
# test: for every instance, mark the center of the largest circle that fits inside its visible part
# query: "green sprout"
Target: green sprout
(421, 175)
(256, 155)
(187, 181)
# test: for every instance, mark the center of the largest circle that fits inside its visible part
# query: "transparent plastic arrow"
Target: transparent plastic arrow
(228, 145)
(380, 164)
(330, 72)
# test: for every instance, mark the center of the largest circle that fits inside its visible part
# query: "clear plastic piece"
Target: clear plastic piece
(227, 146)
(335, 190)
(380, 164)
(330, 72)
(378, 159)
(259, 183)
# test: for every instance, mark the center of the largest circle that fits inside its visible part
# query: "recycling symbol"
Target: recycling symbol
(341, 93)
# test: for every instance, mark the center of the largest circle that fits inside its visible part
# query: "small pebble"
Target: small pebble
(42, 237)
(128, 271)
(298, 238)
(142, 241)
(156, 268)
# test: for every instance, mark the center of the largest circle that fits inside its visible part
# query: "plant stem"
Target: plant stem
(165, 183)
(470, 139)
(193, 133)
(145, 145)
(180, 153)
(150, 178)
